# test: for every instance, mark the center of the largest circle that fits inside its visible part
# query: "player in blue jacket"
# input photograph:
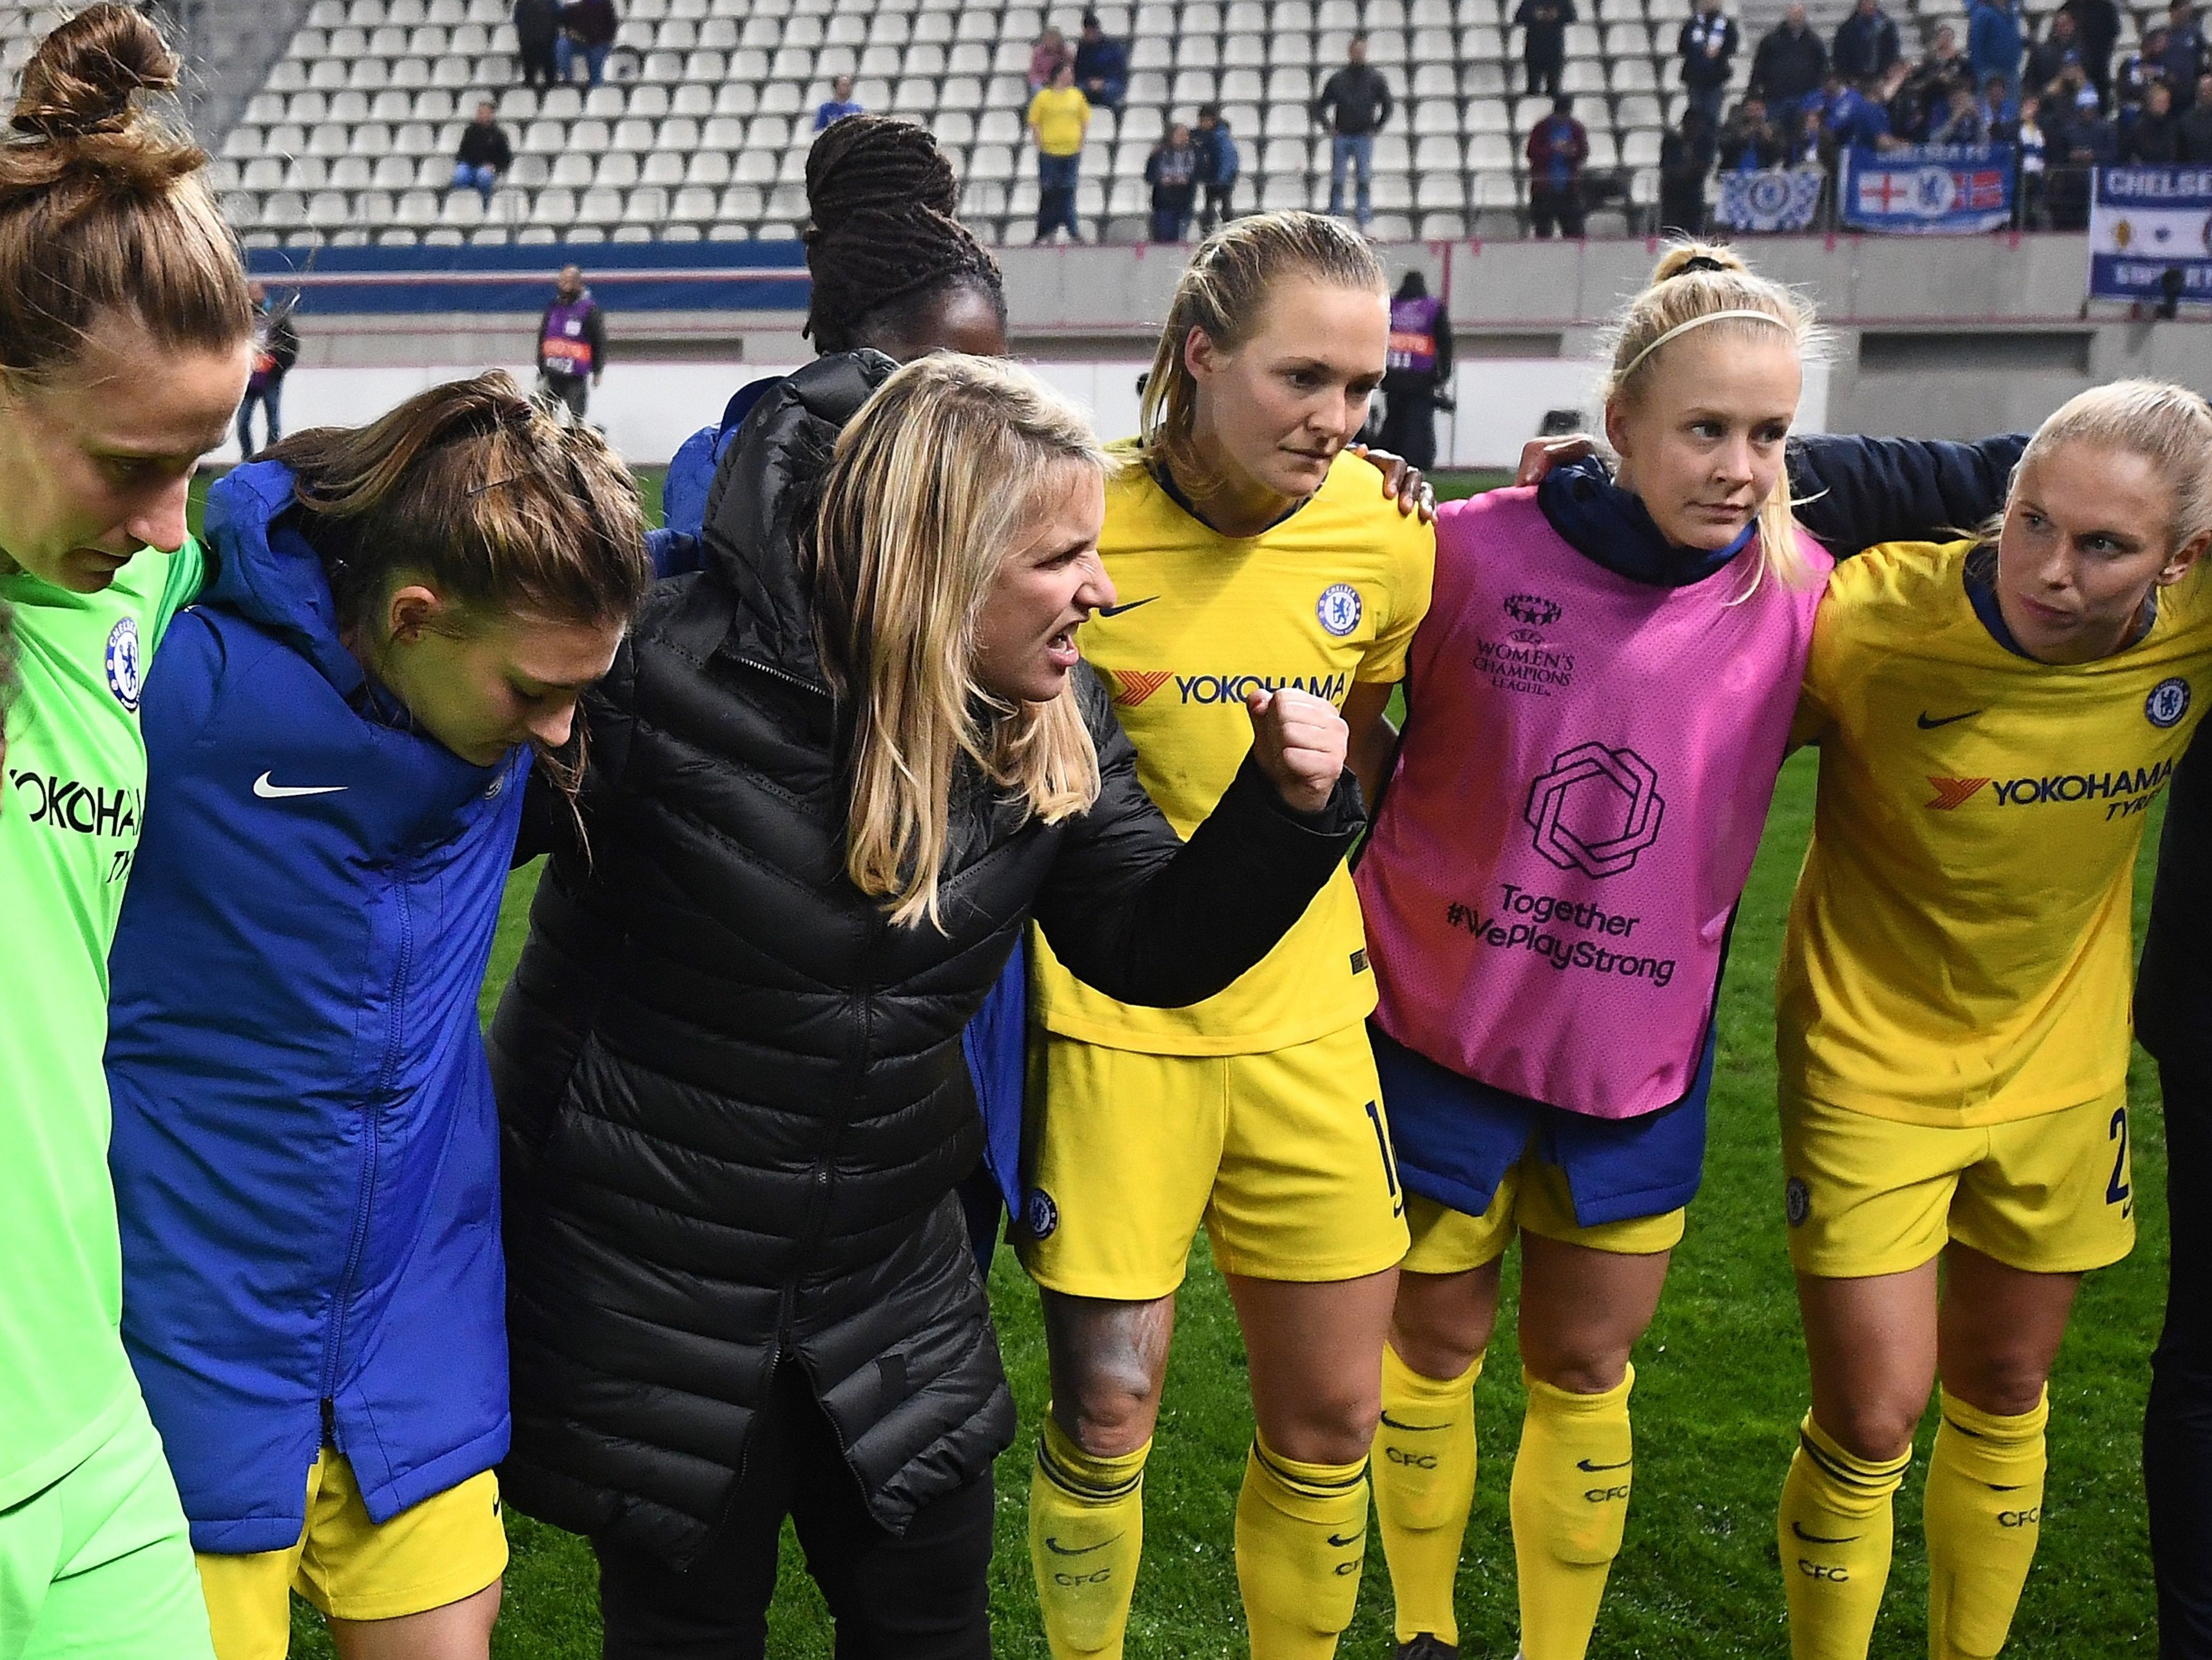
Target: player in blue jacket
(305, 1149)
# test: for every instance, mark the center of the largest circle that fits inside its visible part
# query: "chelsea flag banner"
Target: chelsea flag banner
(2146, 222)
(1770, 198)
(1928, 188)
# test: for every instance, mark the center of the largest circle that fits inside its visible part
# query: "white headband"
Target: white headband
(1695, 322)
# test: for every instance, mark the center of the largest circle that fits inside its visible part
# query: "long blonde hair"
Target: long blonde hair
(1693, 281)
(2167, 425)
(933, 483)
(1224, 292)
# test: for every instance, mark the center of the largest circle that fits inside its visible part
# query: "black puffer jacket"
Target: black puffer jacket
(733, 1097)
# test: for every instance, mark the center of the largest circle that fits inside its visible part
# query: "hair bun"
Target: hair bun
(878, 162)
(1680, 257)
(84, 77)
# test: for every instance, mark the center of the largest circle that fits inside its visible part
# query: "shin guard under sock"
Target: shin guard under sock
(1834, 1530)
(1300, 1538)
(1424, 1464)
(1569, 1503)
(1086, 1533)
(1984, 1512)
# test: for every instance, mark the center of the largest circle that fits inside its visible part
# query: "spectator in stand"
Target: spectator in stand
(1801, 139)
(2030, 146)
(1686, 157)
(484, 155)
(838, 105)
(2088, 141)
(2186, 59)
(1865, 44)
(537, 28)
(1994, 43)
(2000, 111)
(2097, 26)
(2196, 125)
(276, 349)
(1059, 117)
(1218, 166)
(2154, 137)
(1046, 57)
(1544, 42)
(1354, 104)
(2059, 50)
(1557, 147)
(1856, 118)
(1962, 123)
(1102, 66)
(572, 345)
(588, 26)
(1707, 46)
(1749, 143)
(2139, 70)
(1789, 65)
(1923, 100)
(1172, 172)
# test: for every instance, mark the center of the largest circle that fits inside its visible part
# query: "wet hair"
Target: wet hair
(480, 494)
(2166, 425)
(1694, 281)
(935, 483)
(1224, 292)
(103, 207)
(883, 243)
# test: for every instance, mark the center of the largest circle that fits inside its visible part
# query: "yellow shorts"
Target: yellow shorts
(449, 1547)
(1533, 1194)
(2049, 1194)
(1285, 1156)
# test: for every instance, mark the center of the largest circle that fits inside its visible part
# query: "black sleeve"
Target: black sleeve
(1855, 492)
(1151, 920)
(1383, 103)
(1444, 339)
(595, 331)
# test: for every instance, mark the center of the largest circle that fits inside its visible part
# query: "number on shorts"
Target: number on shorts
(2116, 1190)
(1390, 1165)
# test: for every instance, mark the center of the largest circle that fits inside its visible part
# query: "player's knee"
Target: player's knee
(2005, 1386)
(1875, 1431)
(1110, 1410)
(1331, 1429)
(1581, 1371)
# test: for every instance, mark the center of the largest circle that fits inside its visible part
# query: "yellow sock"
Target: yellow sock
(1423, 1483)
(1086, 1533)
(1301, 1538)
(1569, 1503)
(1983, 1512)
(1834, 1534)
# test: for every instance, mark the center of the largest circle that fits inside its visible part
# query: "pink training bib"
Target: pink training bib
(1586, 767)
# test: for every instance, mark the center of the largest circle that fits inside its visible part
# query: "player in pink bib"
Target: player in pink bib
(1599, 702)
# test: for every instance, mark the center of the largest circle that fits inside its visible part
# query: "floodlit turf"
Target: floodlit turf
(1721, 1385)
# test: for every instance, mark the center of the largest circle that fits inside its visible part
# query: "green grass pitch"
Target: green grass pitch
(1721, 1383)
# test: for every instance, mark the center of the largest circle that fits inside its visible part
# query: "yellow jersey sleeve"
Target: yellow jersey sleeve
(1959, 948)
(1325, 599)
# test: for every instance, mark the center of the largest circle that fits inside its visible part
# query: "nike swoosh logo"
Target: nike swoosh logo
(1815, 1539)
(1059, 1549)
(1388, 1422)
(1130, 605)
(1928, 723)
(1585, 1465)
(269, 792)
(1348, 1539)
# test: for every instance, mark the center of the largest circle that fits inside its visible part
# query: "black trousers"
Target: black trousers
(2178, 1422)
(1547, 205)
(1544, 75)
(1409, 424)
(1218, 205)
(921, 1595)
(536, 60)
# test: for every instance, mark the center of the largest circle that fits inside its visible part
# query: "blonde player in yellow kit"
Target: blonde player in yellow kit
(1248, 551)
(1995, 720)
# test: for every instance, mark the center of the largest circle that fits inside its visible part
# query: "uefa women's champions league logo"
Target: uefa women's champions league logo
(122, 664)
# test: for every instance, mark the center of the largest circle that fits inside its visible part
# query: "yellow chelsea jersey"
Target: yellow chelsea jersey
(1959, 949)
(1324, 600)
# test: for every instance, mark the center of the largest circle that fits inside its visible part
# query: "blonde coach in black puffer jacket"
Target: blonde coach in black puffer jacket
(729, 1064)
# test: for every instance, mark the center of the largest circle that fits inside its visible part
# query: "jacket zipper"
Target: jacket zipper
(784, 675)
(394, 1043)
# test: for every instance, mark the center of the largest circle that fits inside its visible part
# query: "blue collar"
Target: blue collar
(1611, 527)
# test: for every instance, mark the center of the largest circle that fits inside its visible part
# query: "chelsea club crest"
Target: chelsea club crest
(2167, 703)
(1339, 609)
(123, 663)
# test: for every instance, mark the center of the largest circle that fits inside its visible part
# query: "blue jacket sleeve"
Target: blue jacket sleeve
(1855, 492)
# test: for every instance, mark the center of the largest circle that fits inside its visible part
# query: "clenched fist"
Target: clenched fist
(1299, 741)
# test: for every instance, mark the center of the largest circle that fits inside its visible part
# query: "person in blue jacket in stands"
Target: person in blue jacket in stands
(305, 1147)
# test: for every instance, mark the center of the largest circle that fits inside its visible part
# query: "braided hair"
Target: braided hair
(883, 244)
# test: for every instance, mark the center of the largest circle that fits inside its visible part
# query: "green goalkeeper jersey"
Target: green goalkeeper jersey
(72, 795)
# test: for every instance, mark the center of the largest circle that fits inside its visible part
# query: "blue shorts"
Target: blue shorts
(1455, 1139)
